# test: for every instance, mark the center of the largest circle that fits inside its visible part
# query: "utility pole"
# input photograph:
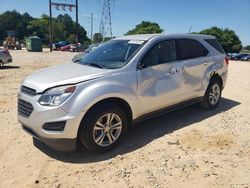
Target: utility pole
(50, 26)
(63, 6)
(91, 35)
(77, 26)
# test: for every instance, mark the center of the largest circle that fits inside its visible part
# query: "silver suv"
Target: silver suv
(92, 102)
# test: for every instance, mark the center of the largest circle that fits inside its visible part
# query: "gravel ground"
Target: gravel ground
(190, 147)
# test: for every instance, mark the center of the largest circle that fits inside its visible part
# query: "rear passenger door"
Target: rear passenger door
(159, 82)
(194, 62)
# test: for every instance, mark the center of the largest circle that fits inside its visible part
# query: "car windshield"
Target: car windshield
(91, 48)
(113, 54)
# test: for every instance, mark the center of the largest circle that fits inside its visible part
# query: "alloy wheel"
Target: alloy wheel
(107, 129)
(214, 95)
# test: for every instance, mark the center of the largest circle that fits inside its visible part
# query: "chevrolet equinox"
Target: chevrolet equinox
(92, 102)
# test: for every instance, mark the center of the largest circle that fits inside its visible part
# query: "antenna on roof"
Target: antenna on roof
(190, 29)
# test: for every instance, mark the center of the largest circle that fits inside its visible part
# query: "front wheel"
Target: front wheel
(103, 128)
(212, 96)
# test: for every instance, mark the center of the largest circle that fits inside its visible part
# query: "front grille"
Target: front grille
(28, 90)
(24, 108)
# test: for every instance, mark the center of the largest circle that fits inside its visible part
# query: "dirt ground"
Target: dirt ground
(190, 147)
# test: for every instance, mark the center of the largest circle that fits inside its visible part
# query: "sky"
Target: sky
(173, 16)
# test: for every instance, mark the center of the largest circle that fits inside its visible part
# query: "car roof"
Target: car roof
(146, 37)
(137, 37)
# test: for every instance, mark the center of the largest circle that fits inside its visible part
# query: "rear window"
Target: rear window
(214, 43)
(189, 49)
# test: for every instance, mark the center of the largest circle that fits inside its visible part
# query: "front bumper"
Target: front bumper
(64, 140)
(61, 144)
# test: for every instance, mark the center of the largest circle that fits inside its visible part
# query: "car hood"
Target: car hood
(70, 73)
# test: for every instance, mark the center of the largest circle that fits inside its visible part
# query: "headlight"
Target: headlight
(56, 96)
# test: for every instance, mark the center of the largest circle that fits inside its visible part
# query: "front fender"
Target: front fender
(89, 94)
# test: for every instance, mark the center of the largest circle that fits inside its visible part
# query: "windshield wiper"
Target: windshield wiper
(94, 65)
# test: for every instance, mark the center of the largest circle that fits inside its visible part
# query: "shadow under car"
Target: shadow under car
(142, 133)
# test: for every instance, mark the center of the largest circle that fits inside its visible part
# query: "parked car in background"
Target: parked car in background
(92, 103)
(246, 58)
(5, 57)
(91, 48)
(65, 48)
(73, 48)
(58, 45)
(231, 55)
(239, 56)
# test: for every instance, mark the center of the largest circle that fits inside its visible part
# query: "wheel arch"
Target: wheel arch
(114, 100)
(124, 105)
(216, 76)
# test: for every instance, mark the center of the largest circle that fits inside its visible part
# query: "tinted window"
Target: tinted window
(214, 43)
(160, 53)
(189, 49)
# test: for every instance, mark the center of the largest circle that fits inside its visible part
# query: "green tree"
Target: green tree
(40, 27)
(25, 25)
(82, 36)
(72, 38)
(247, 47)
(227, 38)
(70, 29)
(145, 27)
(14, 21)
(58, 31)
(97, 38)
(68, 23)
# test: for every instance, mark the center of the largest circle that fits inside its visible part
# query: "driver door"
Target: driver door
(159, 78)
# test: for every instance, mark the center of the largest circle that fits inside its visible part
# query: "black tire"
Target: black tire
(206, 102)
(85, 135)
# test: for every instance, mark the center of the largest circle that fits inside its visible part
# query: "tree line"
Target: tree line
(64, 28)
(227, 38)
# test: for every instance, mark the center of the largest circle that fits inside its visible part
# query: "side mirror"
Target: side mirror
(141, 65)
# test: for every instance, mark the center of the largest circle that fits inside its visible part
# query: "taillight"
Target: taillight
(6, 51)
(227, 60)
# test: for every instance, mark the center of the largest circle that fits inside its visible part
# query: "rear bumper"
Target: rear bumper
(59, 144)
(224, 79)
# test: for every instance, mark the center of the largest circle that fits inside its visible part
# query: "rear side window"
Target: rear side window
(189, 49)
(214, 43)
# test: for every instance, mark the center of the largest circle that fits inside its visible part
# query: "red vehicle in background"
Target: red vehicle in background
(72, 48)
(65, 48)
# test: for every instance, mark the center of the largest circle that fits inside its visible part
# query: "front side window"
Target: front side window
(113, 54)
(163, 52)
(189, 49)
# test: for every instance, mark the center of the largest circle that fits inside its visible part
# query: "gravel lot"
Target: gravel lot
(190, 147)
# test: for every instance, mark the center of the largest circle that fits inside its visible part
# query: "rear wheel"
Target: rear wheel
(212, 96)
(103, 128)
